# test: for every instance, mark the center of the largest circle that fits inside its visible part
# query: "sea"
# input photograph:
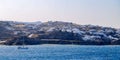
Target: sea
(60, 52)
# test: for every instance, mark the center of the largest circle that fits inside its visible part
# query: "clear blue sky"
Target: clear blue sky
(96, 12)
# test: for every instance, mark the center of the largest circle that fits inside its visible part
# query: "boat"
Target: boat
(23, 45)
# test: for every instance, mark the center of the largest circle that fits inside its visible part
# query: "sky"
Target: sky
(95, 12)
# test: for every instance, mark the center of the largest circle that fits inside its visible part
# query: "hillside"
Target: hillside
(13, 33)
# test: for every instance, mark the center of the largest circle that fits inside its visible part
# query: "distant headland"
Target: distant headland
(57, 32)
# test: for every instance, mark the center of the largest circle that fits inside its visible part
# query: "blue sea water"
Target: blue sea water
(60, 52)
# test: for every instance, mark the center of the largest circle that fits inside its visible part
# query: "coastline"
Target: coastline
(59, 45)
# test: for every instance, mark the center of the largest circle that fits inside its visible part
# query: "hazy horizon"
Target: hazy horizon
(95, 12)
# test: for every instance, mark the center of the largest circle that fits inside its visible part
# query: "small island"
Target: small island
(57, 32)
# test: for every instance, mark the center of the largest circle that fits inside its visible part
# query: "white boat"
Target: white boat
(23, 45)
